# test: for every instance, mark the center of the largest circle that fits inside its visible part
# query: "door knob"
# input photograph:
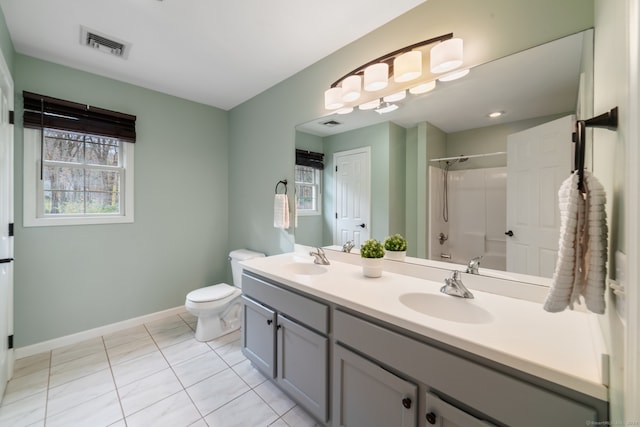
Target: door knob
(509, 233)
(406, 402)
(363, 225)
(431, 418)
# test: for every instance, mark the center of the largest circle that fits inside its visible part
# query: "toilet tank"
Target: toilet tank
(236, 269)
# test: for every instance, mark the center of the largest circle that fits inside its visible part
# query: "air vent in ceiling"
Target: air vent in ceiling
(104, 43)
(331, 123)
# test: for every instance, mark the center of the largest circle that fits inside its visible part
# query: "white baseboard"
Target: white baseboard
(49, 345)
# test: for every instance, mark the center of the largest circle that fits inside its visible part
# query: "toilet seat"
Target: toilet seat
(211, 293)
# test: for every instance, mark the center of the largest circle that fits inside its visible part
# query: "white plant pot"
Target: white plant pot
(372, 267)
(395, 255)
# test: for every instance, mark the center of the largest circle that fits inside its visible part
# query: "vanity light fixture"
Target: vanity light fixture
(454, 75)
(446, 56)
(364, 86)
(407, 66)
(423, 88)
(351, 88)
(333, 98)
(370, 105)
(394, 97)
(376, 77)
(386, 107)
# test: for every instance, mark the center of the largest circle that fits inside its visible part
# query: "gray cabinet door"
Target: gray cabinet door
(364, 394)
(258, 336)
(303, 366)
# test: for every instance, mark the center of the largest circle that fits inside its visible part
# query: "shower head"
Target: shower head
(456, 160)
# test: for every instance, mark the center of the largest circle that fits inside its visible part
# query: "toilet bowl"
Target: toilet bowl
(218, 307)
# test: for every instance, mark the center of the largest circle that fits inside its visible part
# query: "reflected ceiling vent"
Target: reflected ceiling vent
(330, 123)
(104, 43)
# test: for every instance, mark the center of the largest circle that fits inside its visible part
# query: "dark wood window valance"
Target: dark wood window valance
(309, 158)
(44, 111)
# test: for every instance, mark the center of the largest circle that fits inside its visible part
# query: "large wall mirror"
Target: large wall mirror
(456, 182)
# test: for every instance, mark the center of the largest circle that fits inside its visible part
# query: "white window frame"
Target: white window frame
(318, 210)
(33, 215)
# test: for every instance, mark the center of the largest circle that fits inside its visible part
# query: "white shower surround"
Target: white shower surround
(477, 216)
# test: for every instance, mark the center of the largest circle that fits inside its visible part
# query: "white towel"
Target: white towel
(582, 248)
(281, 211)
(569, 199)
(596, 273)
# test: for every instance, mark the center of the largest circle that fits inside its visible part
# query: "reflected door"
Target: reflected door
(538, 161)
(353, 195)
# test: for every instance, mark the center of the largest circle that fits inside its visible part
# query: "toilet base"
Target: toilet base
(217, 325)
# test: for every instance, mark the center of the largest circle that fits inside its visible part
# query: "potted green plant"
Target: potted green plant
(372, 252)
(395, 247)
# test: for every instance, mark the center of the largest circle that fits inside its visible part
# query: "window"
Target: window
(86, 179)
(308, 190)
(78, 163)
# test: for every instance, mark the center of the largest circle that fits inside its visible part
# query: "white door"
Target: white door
(538, 161)
(6, 217)
(353, 195)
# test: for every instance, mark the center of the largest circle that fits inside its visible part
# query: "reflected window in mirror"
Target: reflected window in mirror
(308, 190)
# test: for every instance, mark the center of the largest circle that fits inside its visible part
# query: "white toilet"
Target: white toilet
(218, 307)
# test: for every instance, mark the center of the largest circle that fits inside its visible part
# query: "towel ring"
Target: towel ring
(283, 182)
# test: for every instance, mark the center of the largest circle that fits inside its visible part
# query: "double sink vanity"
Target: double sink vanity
(394, 351)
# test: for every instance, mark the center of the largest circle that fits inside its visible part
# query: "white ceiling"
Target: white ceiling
(219, 53)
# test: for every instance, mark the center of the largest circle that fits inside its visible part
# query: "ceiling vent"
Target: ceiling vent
(104, 43)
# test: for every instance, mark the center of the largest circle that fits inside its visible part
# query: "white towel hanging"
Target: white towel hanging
(281, 211)
(559, 296)
(582, 247)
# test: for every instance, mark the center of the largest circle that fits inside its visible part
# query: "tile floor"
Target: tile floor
(155, 374)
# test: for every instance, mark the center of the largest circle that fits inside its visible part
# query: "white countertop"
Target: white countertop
(564, 348)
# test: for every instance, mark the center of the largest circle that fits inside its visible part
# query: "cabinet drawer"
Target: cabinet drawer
(478, 386)
(295, 306)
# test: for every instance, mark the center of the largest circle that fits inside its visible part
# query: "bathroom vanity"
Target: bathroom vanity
(394, 351)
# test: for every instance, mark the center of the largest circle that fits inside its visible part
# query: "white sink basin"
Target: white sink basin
(446, 307)
(305, 269)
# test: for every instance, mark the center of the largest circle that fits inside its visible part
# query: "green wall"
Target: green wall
(6, 45)
(73, 278)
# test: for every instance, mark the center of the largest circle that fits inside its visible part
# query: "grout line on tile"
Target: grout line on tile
(46, 399)
(113, 378)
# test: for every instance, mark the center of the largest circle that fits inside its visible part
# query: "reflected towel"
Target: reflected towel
(281, 211)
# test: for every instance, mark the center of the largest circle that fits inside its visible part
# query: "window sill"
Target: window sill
(51, 222)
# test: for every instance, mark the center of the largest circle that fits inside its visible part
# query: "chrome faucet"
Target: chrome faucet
(474, 265)
(348, 246)
(319, 257)
(454, 287)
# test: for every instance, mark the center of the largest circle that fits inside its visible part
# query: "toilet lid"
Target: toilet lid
(211, 293)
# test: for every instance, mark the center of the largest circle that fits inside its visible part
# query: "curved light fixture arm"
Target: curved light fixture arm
(391, 55)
